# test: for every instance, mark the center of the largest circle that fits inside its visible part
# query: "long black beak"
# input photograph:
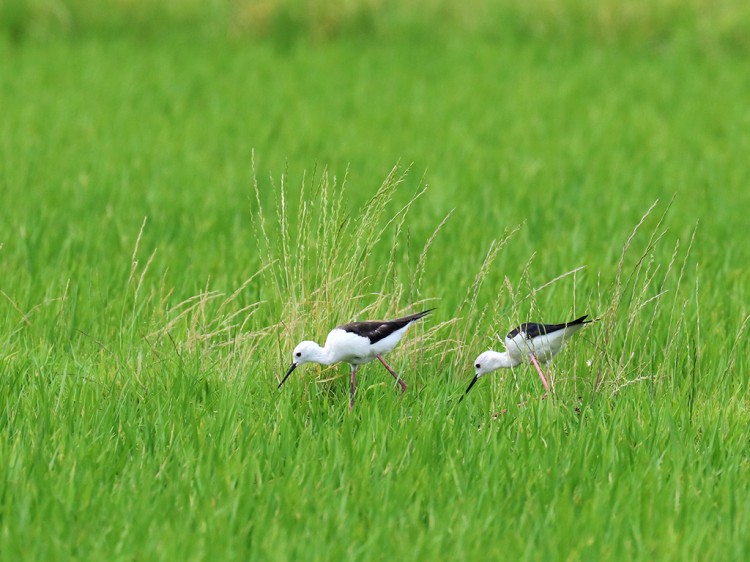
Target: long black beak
(289, 372)
(472, 383)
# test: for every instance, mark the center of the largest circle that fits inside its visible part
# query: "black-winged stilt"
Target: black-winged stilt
(537, 343)
(356, 343)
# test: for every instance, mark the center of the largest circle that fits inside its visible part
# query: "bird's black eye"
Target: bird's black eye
(478, 366)
(298, 354)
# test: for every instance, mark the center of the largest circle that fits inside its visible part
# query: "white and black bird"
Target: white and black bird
(356, 343)
(532, 342)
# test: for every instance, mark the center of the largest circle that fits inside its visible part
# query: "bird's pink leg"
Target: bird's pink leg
(392, 372)
(541, 374)
(353, 387)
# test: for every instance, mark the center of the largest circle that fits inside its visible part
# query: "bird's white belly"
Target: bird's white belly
(544, 348)
(357, 350)
(358, 359)
(349, 348)
(387, 344)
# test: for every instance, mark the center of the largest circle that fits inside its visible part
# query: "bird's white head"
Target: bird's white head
(487, 362)
(305, 352)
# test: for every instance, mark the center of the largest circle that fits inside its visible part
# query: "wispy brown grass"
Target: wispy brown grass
(708, 23)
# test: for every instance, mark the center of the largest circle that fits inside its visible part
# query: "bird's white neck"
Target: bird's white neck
(501, 360)
(322, 355)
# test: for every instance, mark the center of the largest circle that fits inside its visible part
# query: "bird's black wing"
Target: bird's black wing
(533, 329)
(376, 330)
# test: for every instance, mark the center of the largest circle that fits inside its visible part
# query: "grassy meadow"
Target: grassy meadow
(186, 192)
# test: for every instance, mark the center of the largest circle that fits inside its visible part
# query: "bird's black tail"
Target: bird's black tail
(581, 320)
(422, 314)
(404, 320)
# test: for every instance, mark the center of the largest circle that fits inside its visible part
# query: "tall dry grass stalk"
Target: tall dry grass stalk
(317, 271)
(642, 336)
(320, 266)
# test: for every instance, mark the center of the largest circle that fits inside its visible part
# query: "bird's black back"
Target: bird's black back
(376, 330)
(533, 329)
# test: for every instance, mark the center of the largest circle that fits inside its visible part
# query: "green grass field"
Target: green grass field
(182, 200)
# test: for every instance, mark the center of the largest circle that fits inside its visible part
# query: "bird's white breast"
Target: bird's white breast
(349, 347)
(544, 347)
